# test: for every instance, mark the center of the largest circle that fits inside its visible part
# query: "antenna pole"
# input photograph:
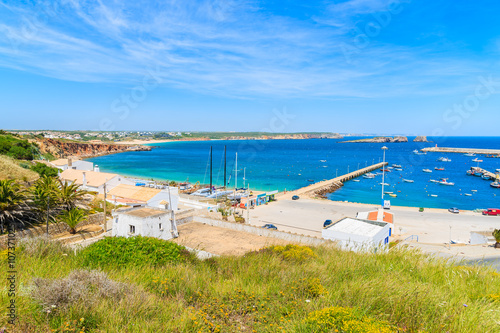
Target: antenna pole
(225, 160)
(210, 169)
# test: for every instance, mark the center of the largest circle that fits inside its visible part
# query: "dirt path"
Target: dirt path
(221, 241)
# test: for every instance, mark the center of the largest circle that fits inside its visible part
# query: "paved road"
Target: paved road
(306, 216)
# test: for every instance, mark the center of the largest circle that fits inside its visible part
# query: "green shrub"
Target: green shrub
(346, 320)
(137, 251)
(293, 252)
(44, 170)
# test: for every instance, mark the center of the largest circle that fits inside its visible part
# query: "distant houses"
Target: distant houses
(94, 181)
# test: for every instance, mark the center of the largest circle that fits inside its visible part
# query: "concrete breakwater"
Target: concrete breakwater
(320, 189)
(462, 150)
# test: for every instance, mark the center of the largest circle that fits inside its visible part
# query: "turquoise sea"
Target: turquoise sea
(290, 164)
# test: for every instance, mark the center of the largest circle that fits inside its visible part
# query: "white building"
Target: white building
(94, 181)
(146, 222)
(378, 215)
(144, 196)
(358, 235)
(68, 163)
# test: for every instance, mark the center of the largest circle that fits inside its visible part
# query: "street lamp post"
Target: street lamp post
(384, 148)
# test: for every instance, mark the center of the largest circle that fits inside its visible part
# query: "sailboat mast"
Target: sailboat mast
(236, 173)
(225, 163)
(210, 169)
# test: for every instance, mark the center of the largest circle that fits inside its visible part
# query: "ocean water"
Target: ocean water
(291, 164)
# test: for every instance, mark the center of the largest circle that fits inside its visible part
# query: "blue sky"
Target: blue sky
(361, 66)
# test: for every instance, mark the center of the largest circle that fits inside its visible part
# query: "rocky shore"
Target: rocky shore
(63, 149)
(380, 139)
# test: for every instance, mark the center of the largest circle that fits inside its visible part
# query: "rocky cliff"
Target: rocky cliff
(380, 139)
(63, 149)
(420, 139)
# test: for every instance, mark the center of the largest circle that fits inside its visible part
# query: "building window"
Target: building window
(132, 229)
(160, 226)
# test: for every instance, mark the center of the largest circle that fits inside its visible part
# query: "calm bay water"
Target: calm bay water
(290, 164)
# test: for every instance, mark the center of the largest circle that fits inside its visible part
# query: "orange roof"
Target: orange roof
(94, 179)
(372, 216)
(139, 193)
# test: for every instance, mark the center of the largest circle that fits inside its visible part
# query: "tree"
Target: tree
(44, 196)
(68, 194)
(72, 218)
(496, 234)
(14, 207)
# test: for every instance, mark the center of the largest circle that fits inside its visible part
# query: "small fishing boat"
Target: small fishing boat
(495, 184)
(473, 190)
(470, 173)
(439, 168)
(388, 192)
(486, 177)
(470, 154)
(478, 174)
(497, 170)
(445, 181)
(323, 161)
(416, 152)
(408, 180)
(427, 170)
(389, 167)
(468, 194)
(396, 166)
(434, 195)
(385, 184)
(434, 181)
(369, 176)
(356, 180)
(444, 159)
(398, 169)
(311, 180)
(477, 160)
(393, 195)
(385, 170)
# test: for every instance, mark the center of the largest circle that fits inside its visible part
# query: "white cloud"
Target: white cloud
(218, 47)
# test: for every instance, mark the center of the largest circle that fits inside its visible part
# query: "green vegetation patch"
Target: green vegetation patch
(44, 170)
(16, 148)
(293, 252)
(346, 320)
(137, 251)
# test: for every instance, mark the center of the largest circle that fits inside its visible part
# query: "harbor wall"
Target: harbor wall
(462, 150)
(294, 238)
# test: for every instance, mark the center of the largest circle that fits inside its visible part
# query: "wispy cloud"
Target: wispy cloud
(218, 47)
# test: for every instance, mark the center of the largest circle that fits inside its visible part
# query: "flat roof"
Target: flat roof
(145, 212)
(139, 193)
(354, 226)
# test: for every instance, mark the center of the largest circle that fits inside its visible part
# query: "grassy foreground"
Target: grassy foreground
(279, 289)
(11, 169)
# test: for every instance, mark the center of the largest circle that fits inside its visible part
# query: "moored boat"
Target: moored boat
(408, 180)
(427, 170)
(439, 168)
(495, 184)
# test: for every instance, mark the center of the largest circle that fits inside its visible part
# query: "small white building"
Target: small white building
(144, 196)
(68, 163)
(358, 235)
(94, 181)
(147, 222)
(379, 215)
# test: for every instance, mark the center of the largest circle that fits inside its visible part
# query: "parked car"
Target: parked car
(491, 211)
(269, 226)
(295, 197)
(454, 210)
(327, 223)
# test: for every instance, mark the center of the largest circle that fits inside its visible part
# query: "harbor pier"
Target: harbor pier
(327, 186)
(495, 152)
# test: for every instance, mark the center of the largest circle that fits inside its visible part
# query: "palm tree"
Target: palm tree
(44, 197)
(13, 204)
(72, 218)
(496, 234)
(68, 194)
